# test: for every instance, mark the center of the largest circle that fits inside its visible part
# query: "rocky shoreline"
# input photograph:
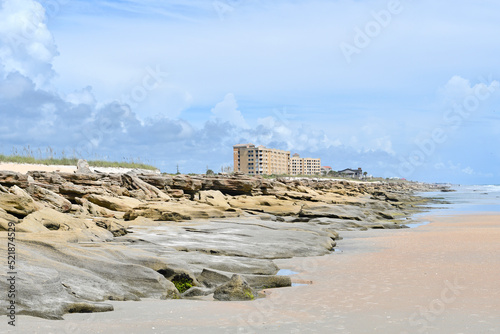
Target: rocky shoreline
(84, 238)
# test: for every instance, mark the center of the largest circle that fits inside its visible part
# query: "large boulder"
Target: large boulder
(9, 179)
(71, 191)
(233, 186)
(188, 184)
(16, 205)
(50, 198)
(214, 198)
(159, 181)
(121, 203)
(236, 289)
(140, 189)
(86, 208)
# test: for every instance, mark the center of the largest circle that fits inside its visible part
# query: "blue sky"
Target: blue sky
(400, 88)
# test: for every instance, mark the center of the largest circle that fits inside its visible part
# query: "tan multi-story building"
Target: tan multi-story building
(304, 166)
(253, 160)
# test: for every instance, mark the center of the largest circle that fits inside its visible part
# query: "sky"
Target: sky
(401, 88)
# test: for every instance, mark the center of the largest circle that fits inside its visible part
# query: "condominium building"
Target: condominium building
(304, 166)
(253, 160)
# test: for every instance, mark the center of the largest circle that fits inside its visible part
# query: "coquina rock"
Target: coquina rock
(236, 289)
(86, 238)
(5, 219)
(9, 179)
(82, 167)
(49, 198)
(19, 206)
(214, 198)
(119, 203)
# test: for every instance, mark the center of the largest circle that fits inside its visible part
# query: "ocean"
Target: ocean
(478, 198)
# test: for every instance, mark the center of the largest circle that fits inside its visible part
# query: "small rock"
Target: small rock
(212, 278)
(196, 292)
(236, 289)
(82, 167)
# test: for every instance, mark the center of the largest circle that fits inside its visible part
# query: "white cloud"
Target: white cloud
(439, 165)
(381, 143)
(468, 170)
(83, 96)
(27, 46)
(227, 111)
(14, 85)
(458, 90)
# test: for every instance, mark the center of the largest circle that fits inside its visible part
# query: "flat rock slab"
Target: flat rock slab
(242, 238)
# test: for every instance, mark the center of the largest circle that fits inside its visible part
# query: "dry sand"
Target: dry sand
(25, 168)
(443, 277)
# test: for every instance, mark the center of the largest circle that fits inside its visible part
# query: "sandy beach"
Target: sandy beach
(438, 278)
(25, 168)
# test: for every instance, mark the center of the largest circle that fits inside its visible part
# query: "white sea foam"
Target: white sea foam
(477, 198)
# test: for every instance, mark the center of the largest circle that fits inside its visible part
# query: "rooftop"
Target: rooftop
(244, 145)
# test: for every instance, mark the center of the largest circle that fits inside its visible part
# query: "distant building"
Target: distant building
(354, 173)
(304, 166)
(326, 169)
(260, 160)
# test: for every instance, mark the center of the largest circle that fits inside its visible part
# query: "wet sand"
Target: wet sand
(438, 278)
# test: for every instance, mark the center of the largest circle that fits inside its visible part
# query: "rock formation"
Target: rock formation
(84, 238)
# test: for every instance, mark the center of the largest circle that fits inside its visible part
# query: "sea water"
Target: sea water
(478, 198)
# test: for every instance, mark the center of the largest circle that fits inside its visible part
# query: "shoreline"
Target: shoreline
(441, 277)
(88, 238)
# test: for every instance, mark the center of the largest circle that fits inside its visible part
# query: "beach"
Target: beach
(25, 168)
(438, 278)
(249, 167)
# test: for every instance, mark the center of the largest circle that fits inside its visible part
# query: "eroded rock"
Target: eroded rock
(82, 167)
(90, 237)
(236, 289)
(19, 206)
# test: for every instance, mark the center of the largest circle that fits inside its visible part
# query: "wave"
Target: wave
(489, 188)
